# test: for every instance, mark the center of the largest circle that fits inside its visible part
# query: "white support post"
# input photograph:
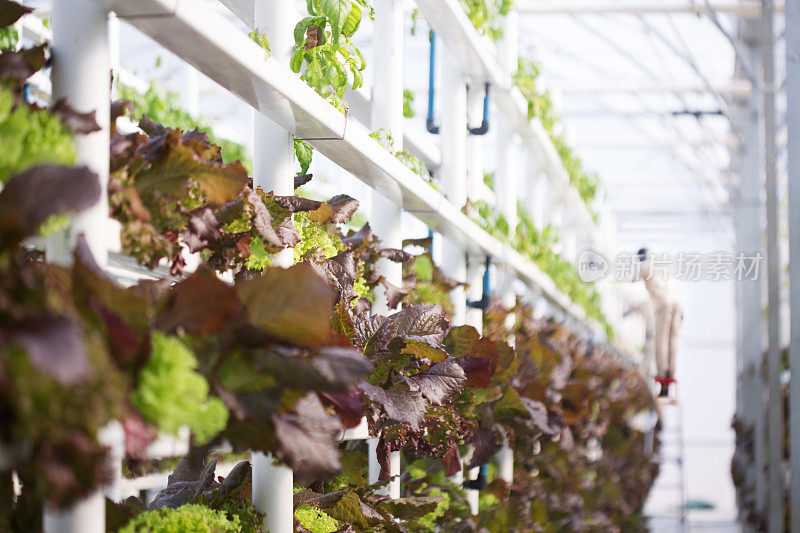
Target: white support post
(749, 228)
(273, 146)
(273, 161)
(387, 113)
(475, 271)
(80, 72)
(81, 68)
(507, 179)
(454, 171)
(190, 89)
(273, 493)
(793, 122)
(775, 398)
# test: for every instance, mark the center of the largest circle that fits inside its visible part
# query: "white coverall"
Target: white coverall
(645, 310)
(667, 317)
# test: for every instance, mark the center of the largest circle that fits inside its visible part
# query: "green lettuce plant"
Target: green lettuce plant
(190, 517)
(172, 394)
(485, 15)
(322, 44)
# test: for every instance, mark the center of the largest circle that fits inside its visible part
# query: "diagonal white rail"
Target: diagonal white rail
(218, 48)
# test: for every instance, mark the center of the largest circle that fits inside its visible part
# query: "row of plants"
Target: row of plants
(541, 106)
(539, 247)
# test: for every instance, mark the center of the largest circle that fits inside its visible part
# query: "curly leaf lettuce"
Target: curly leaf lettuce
(171, 394)
(29, 137)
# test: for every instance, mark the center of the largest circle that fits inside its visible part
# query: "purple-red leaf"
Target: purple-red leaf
(373, 333)
(394, 295)
(306, 440)
(202, 229)
(478, 370)
(396, 255)
(22, 65)
(200, 305)
(10, 12)
(438, 383)
(452, 460)
(75, 121)
(349, 405)
(360, 237)
(33, 196)
(292, 304)
(296, 204)
(302, 179)
(343, 208)
(405, 407)
(54, 345)
(262, 220)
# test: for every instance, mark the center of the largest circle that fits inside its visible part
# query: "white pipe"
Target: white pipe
(273, 162)
(273, 493)
(273, 146)
(80, 72)
(387, 113)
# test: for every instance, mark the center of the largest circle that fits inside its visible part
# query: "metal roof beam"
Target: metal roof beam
(750, 9)
(737, 88)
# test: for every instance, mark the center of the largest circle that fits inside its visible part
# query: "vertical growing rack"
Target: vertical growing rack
(286, 107)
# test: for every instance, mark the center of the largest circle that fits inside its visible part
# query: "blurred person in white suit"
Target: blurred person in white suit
(667, 318)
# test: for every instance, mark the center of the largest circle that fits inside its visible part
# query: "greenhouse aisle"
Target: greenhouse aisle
(706, 377)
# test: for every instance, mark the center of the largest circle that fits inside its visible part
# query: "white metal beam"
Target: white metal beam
(748, 9)
(736, 88)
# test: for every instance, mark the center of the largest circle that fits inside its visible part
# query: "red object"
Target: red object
(666, 381)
